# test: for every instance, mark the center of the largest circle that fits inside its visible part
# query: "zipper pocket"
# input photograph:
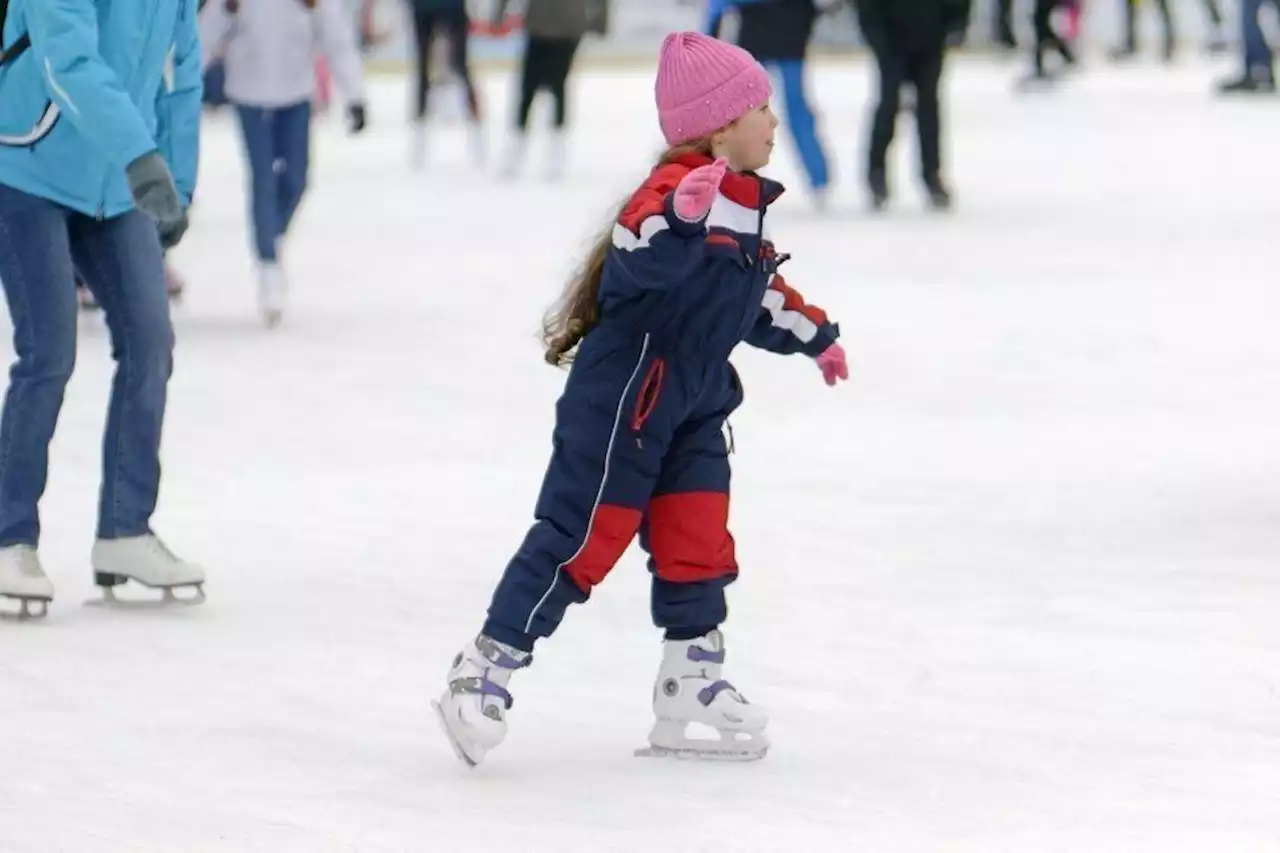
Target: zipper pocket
(650, 391)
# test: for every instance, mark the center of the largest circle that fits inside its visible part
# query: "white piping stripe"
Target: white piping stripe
(724, 214)
(604, 479)
(783, 318)
(57, 87)
(170, 75)
(628, 241)
(40, 131)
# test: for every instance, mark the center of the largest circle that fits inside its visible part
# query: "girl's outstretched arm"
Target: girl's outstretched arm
(653, 245)
(788, 325)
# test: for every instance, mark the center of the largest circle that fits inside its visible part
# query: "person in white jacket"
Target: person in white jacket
(269, 51)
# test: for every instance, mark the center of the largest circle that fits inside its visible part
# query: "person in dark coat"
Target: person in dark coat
(449, 19)
(776, 33)
(909, 40)
(1258, 74)
(1129, 47)
(555, 29)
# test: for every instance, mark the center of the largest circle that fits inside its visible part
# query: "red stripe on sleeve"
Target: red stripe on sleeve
(648, 200)
(793, 301)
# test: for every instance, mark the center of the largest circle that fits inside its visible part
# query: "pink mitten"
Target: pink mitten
(834, 364)
(697, 190)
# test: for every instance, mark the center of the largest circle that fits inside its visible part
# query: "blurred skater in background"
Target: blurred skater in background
(776, 33)
(1258, 73)
(554, 29)
(1047, 38)
(1005, 36)
(447, 18)
(909, 39)
(269, 50)
(1129, 48)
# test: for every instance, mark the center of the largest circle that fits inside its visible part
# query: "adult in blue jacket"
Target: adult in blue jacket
(99, 124)
(776, 33)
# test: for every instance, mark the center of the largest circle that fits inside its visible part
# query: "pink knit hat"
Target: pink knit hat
(704, 84)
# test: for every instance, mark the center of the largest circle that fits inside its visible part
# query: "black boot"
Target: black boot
(1260, 80)
(939, 195)
(879, 186)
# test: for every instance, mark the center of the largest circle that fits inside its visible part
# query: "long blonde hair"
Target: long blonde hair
(577, 311)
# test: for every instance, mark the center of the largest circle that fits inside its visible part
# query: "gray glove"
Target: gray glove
(155, 193)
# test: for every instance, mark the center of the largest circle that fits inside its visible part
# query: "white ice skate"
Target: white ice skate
(690, 691)
(476, 142)
(474, 709)
(23, 579)
(418, 145)
(513, 159)
(272, 292)
(557, 155)
(148, 561)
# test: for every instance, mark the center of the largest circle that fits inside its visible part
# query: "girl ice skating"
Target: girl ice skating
(685, 275)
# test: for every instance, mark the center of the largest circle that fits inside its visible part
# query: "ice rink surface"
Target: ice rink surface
(1013, 589)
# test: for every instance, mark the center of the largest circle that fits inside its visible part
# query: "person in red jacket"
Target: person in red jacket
(684, 274)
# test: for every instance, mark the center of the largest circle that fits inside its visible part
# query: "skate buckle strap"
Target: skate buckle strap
(708, 694)
(495, 655)
(483, 687)
(697, 654)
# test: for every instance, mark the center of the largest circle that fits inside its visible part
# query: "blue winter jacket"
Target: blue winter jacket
(705, 287)
(103, 82)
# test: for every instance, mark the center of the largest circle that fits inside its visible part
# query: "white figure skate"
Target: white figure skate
(23, 579)
(473, 710)
(513, 159)
(557, 155)
(272, 293)
(690, 690)
(146, 560)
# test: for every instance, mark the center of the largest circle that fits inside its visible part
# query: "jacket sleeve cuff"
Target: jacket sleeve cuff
(679, 226)
(827, 335)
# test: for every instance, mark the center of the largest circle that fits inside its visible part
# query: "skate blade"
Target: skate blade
(25, 613)
(453, 741)
(697, 754)
(109, 599)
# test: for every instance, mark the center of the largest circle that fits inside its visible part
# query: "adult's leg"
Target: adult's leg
(424, 24)
(458, 29)
(532, 73)
(892, 73)
(38, 277)
(558, 77)
(264, 190)
(291, 141)
(123, 264)
(802, 124)
(925, 73)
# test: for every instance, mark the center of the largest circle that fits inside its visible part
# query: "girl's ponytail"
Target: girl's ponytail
(577, 312)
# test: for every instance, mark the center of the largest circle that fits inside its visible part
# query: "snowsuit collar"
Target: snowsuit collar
(745, 188)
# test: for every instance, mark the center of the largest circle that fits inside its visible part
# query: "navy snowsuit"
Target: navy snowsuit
(639, 443)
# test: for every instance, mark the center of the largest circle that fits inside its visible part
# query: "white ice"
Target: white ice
(1016, 587)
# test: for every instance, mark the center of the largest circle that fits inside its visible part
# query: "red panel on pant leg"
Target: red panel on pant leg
(689, 536)
(612, 529)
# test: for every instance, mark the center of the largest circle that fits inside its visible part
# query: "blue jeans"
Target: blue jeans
(41, 246)
(801, 123)
(277, 142)
(215, 79)
(1257, 53)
